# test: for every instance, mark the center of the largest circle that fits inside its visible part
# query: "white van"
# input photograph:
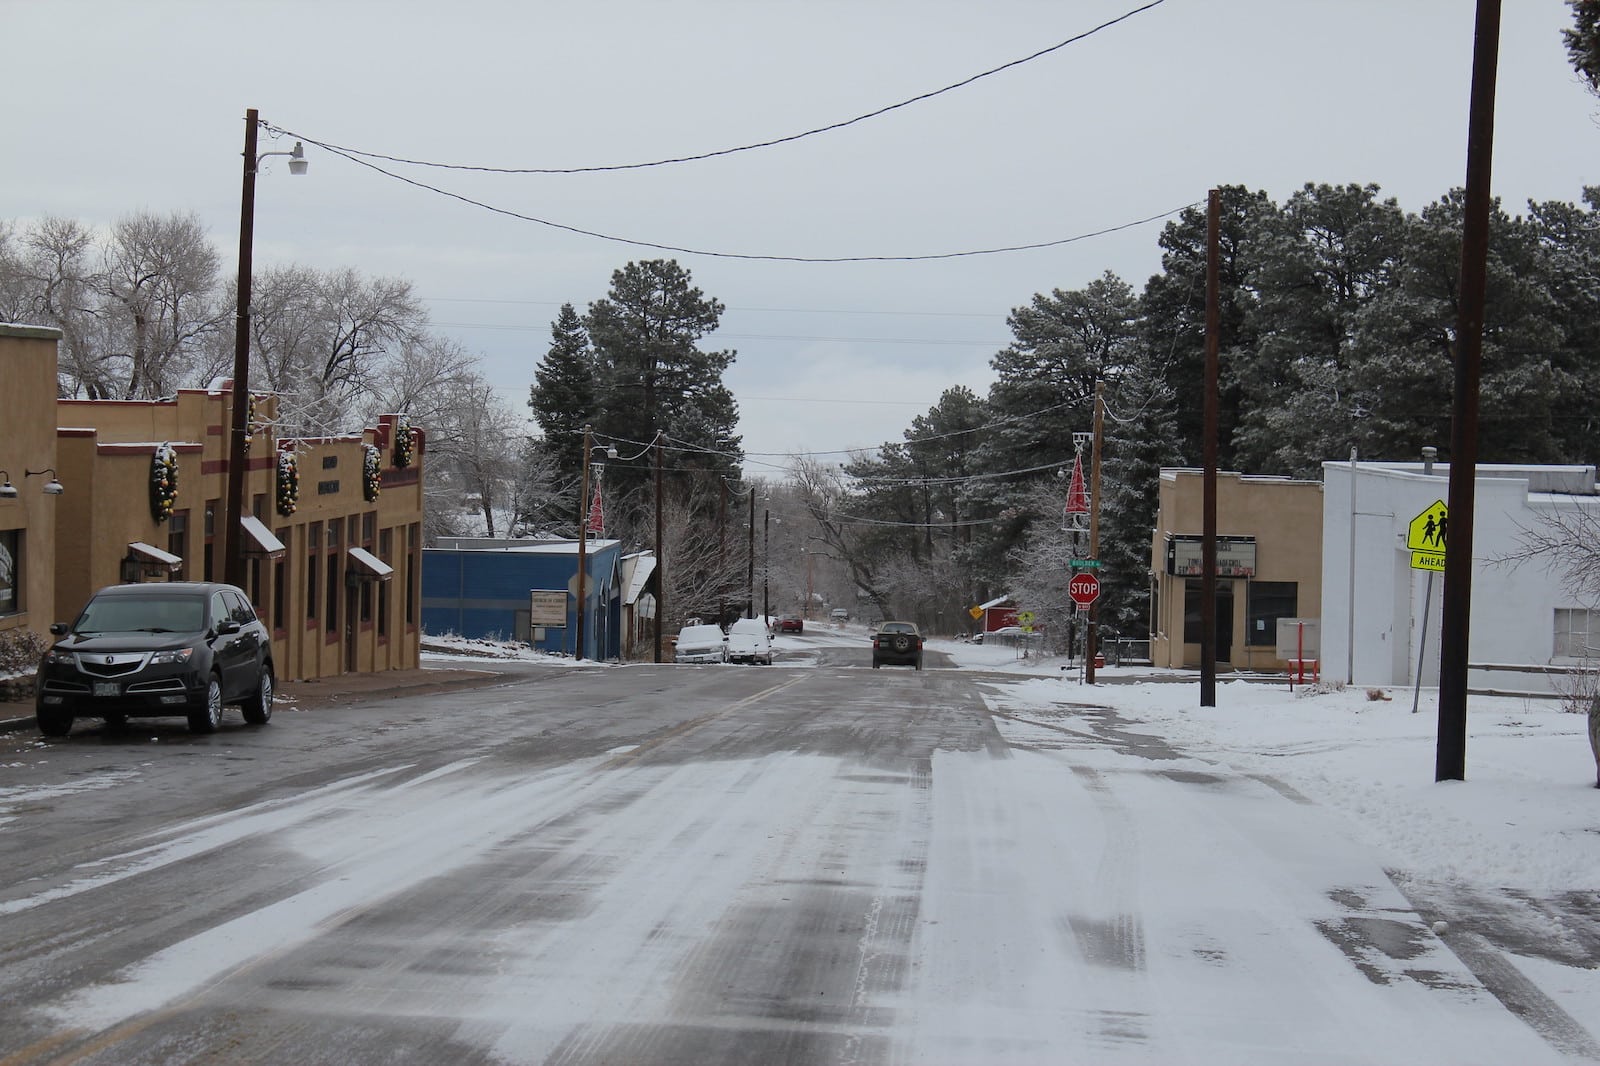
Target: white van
(750, 641)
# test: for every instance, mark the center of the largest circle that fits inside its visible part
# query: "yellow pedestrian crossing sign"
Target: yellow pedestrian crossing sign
(1427, 537)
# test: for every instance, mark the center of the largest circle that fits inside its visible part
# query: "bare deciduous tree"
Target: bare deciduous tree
(47, 278)
(161, 277)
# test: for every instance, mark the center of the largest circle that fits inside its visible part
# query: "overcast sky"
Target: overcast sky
(120, 107)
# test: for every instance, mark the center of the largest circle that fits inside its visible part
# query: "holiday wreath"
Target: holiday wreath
(403, 443)
(163, 481)
(288, 483)
(371, 472)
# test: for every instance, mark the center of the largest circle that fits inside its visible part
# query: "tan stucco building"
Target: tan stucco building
(1269, 566)
(333, 536)
(28, 515)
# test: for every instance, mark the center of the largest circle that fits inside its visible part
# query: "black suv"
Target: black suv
(157, 650)
(897, 642)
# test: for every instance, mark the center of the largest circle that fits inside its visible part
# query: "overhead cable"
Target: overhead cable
(748, 256)
(349, 152)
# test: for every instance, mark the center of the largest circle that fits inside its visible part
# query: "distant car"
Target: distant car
(164, 649)
(701, 644)
(791, 624)
(839, 614)
(750, 641)
(897, 642)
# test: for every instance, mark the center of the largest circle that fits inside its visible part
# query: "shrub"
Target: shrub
(20, 650)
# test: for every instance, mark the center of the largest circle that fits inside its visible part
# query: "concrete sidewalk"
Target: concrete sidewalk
(331, 691)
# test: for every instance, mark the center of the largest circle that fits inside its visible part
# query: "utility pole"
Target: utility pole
(661, 557)
(239, 429)
(766, 563)
(583, 539)
(1092, 644)
(1208, 541)
(1451, 755)
(750, 604)
(722, 548)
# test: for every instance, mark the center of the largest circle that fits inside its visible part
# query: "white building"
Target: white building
(1374, 602)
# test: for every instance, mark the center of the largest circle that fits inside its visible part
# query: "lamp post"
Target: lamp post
(238, 436)
(589, 448)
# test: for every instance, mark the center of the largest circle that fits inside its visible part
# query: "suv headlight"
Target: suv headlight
(181, 655)
(56, 656)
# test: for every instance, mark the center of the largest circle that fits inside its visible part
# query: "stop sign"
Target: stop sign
(1084, 589)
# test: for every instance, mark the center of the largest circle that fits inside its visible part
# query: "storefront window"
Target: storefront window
(10, 571)
(1270, 601)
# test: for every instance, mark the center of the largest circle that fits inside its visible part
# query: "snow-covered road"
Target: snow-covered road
(723, 865)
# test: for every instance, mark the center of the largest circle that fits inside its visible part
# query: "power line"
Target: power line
(742, 310)
(746, 256)
(351, 152)
(719, 335)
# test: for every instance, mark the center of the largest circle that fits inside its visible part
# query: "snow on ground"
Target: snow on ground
(1526, 818)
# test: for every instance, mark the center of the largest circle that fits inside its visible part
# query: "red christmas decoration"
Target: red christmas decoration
(1077, 494)
(597, 516)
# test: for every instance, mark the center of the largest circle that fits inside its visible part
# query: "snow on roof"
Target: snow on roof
(525, 547)
(997, 601)
(636, 571)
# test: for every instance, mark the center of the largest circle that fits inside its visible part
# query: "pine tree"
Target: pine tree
(652, 376)
(1066, 343)
(563, 394)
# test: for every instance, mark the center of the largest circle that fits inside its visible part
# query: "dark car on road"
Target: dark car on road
(897, 642)
(155, 650)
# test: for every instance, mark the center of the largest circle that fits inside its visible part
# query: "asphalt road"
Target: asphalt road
(817, 863)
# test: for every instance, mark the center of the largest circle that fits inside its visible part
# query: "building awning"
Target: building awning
(149, 553)
(259, 539)
(374, 566)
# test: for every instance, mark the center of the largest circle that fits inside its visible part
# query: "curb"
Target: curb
(16, 716)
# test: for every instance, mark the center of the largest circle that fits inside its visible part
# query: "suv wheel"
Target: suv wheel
(207, 719)
(54, 723)
(258, 708)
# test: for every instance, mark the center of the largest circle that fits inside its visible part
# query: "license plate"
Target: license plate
(107, 688)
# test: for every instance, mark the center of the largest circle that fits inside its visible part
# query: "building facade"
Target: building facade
(28, 514)
(1269, 567)
(527, 591)
(1381, 615)
(332, 526)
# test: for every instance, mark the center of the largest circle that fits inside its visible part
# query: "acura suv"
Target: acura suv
(154, 650)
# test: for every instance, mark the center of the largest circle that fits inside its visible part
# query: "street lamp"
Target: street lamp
(238, 440)
(53, 487)
(589, 448)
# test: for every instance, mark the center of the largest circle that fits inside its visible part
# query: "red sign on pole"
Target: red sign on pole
(1084, 589)
(1077, 494)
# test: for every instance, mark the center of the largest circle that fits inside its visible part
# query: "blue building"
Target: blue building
(516, 590)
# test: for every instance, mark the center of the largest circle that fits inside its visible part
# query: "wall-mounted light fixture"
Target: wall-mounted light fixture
(8, 491)
(53, 487)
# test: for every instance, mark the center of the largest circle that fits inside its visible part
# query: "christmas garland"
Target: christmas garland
(403, 444)
(163, 481)
(288, 485)
(371, 472)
